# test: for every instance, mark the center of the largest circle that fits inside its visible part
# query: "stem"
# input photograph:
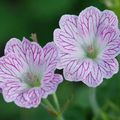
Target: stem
(59, 115)
(56, 101)
(47, 105)
(95, 107)
(93, 101)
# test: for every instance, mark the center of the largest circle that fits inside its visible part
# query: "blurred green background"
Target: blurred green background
(20, 18)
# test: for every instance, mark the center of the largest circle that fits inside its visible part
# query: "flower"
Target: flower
(27, 72)
(88, 45)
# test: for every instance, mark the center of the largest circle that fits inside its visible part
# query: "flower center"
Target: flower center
(31, 80)
(91, 52)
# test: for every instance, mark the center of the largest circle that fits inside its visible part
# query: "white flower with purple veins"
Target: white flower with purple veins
(88, 45)
(27, 72)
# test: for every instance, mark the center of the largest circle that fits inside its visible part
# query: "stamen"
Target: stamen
(90, 49)
(92, 52)
(31, 79)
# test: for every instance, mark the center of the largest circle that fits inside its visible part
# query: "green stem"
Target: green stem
(59, 116)
(56, 101)
(94, 105)
(93, 101)
(50, 108)
(47, 105)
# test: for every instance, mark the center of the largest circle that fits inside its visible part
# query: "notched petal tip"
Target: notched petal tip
(93, 85)
(28, 99)
(90, 10)
(66, 19)
(110, 18)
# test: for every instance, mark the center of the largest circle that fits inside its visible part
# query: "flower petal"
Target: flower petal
(103, 69)
(109, 67)
(51, 86)
(29, 52)
(64, 59)
(76, 70)
(14, 46)
(29, 98)
(11, 67)
(108, 18)
(92, 81)
(67, 37)
(88, 21)
(95, 77)
(51, 56)
(85, 71)
(11, 89)
(33, 52)
(51, 60)
(68, 24)
(110, 41)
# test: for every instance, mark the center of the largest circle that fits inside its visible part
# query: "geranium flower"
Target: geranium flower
(27, 72)
(88, 45)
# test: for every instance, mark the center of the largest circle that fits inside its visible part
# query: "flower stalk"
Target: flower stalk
(49, 107)
(98, 113)
(56, 101)
(59, 115)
